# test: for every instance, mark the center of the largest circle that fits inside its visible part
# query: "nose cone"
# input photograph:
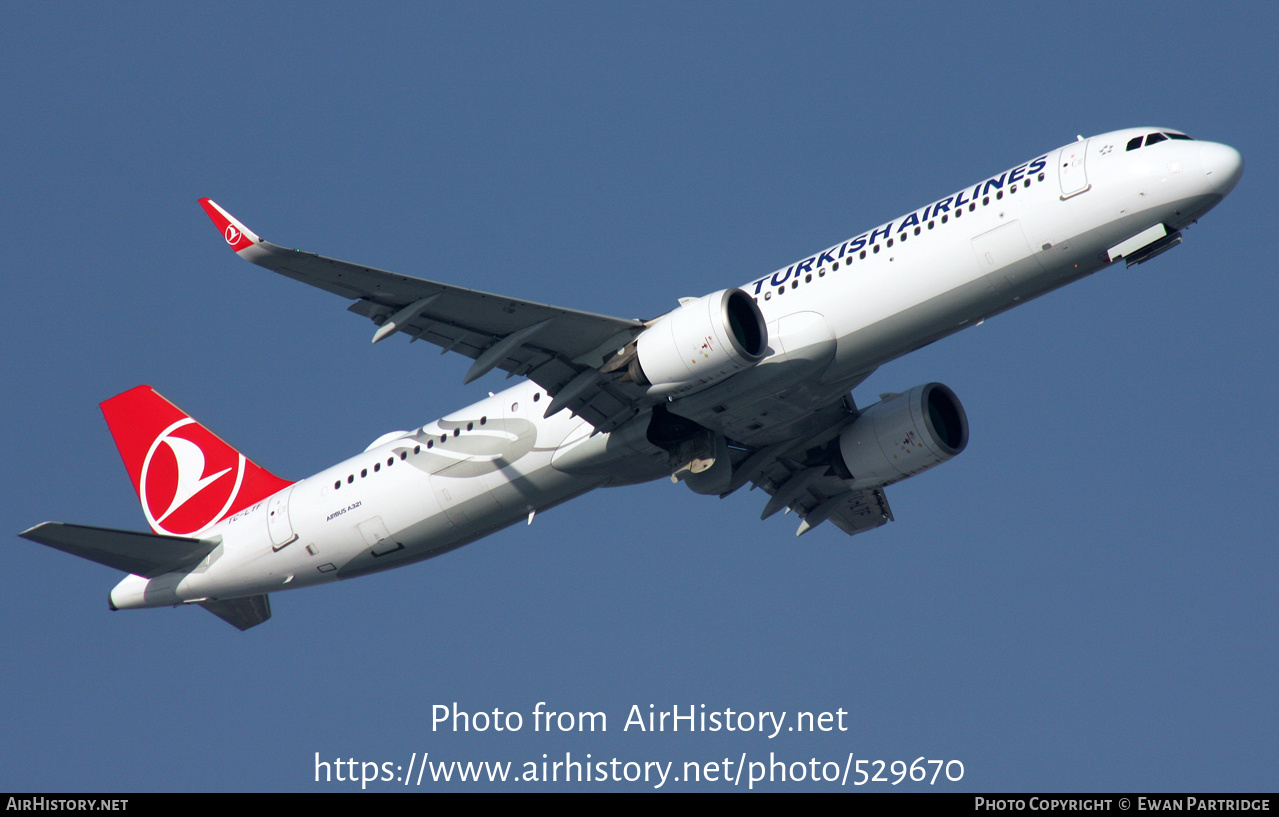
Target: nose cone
(1222, 165)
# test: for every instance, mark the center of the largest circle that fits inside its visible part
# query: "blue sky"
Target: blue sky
(1084, 600)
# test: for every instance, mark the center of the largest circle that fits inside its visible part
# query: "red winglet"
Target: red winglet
(195, 478)
(235, 233)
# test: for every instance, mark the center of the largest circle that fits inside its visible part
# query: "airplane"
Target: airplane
(745, 385)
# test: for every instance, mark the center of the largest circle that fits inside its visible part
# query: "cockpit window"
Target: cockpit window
(1152, 138)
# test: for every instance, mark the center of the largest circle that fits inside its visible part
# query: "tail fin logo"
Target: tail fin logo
(232, 234)
(182, 492)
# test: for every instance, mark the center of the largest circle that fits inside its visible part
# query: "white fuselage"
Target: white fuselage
(832, 318)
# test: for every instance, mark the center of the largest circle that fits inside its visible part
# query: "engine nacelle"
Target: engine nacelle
(902, 435)
(702, 341)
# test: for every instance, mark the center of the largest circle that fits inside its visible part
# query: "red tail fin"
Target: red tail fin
(187, 478)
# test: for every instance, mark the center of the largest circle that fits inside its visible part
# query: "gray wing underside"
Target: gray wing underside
(552, 346)
(797, 476)
(816, 498)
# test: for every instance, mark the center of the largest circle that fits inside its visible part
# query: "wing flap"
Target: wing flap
(853, 511)
(864, 511)
(144, 554)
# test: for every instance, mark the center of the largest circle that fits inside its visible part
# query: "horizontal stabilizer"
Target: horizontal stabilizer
(241, 613)
(144, 554)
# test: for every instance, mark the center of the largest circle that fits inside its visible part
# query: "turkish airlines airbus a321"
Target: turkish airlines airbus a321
(745, 385)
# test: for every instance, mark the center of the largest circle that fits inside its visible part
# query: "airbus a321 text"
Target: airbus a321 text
(748, 385)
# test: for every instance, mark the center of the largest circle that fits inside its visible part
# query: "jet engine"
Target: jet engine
(902, 435)
(705, 340)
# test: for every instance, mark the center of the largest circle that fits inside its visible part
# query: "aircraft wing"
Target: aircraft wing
(560, 349)
(818, 497)
(796, 475)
